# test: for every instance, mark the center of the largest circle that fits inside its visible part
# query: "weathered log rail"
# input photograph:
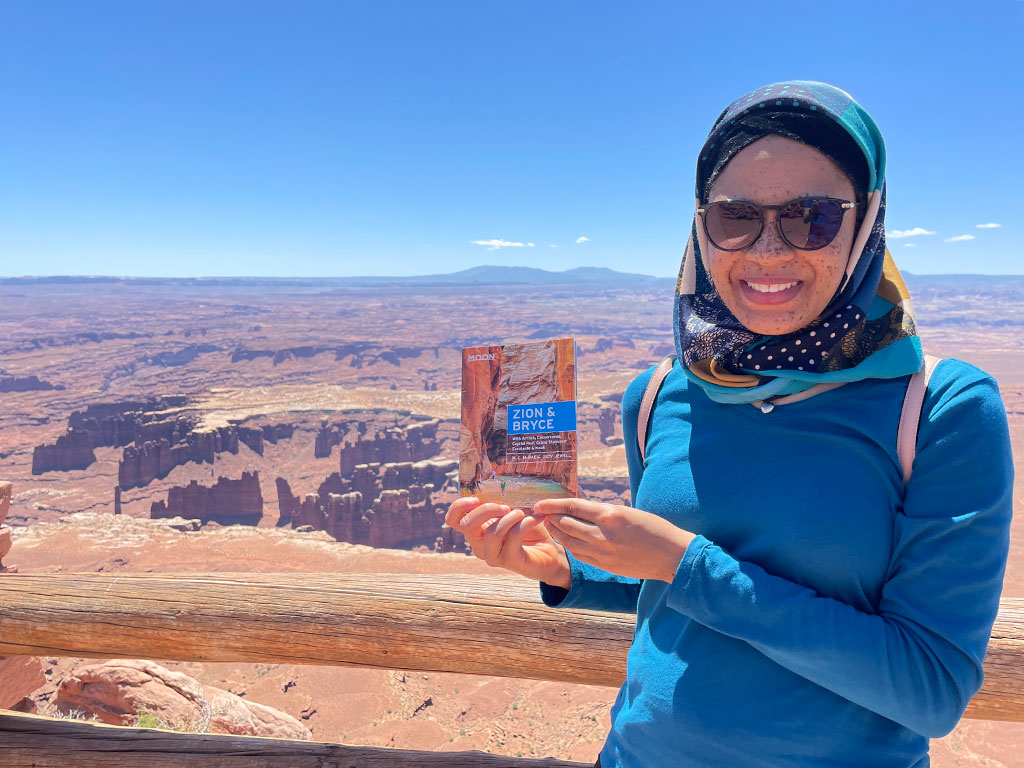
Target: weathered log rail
(27, 741)
(485, 625)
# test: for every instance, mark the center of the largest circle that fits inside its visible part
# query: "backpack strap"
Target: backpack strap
(910, 418)
(906, 434)
(650, 395)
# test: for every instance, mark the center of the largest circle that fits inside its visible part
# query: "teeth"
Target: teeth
(771, 288)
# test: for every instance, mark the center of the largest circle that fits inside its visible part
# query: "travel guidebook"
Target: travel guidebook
(519, 422)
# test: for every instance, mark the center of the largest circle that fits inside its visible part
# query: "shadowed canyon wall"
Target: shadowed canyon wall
(73, 450)
(25, 384)
(227, 502)
(389, 490)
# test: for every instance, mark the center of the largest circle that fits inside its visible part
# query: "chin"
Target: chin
(768, 326)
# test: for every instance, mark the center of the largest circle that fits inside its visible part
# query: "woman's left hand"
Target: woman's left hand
(621, 540)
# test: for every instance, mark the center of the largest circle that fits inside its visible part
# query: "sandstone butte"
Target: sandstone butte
(226, 502)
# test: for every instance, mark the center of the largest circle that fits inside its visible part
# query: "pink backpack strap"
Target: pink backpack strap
(910, 418)
(906, 434)
(650, 395)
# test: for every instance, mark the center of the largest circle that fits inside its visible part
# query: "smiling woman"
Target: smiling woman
(802, 597)
(772, 284)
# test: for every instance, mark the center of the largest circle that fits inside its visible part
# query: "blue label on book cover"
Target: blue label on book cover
(539, 418)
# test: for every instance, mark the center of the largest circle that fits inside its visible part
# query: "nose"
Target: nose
(769, 246)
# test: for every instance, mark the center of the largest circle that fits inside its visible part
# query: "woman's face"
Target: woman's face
(770, 171)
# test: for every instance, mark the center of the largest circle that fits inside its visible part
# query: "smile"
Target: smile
(771, 288)
(770, 293)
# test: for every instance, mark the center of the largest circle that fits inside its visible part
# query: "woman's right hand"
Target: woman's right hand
(509, 538)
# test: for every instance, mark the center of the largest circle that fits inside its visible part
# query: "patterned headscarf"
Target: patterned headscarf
(866, 331)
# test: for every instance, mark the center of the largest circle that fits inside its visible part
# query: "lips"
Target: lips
(770, 291)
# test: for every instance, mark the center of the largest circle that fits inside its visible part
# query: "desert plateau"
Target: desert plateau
(312, 426)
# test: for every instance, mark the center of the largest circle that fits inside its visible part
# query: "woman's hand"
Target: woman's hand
(617, 539)
(509, 538)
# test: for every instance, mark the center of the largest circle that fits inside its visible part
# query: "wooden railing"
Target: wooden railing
(484, 625)
(441, 623)
(27, 741)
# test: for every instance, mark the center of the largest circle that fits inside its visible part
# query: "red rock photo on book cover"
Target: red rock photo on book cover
(519, 422)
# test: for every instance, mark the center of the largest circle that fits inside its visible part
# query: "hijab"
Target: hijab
(867, 330)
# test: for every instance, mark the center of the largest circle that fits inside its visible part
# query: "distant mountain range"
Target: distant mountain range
(475, 275)
(496, 274)
(501, 275)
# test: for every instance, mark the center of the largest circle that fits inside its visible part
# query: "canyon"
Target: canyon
(314, 425)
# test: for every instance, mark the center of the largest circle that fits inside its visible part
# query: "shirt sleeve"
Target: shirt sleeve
(592, 587)
(918, 659)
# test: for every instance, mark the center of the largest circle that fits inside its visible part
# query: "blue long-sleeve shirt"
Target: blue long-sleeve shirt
(826, 614)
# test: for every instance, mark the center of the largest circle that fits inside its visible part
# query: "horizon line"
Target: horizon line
(422, 275)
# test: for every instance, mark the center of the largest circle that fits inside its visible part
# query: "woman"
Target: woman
(798, 603)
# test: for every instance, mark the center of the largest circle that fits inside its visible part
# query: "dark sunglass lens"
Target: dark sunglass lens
(811, 223)
(732, 226)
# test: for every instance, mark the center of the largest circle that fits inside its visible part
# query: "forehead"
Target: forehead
(776, 169)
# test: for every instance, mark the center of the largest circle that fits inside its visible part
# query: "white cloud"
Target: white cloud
(959, 238)
(552, 245)
(582, 239)
(910, 245)
(493, 245)
(990, 225)
(530, 245)
(896, 233)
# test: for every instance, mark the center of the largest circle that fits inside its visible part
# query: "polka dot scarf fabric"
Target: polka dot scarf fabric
(866, 331)
(802, 351)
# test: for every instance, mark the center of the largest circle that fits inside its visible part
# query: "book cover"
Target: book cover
(519, 422)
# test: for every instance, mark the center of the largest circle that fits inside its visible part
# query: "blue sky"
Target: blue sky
(392, 137)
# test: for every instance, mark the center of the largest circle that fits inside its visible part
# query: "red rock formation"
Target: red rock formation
(252, 438)
(140, 465)
(329, 436)
(610, 490)
(394, 505)
(73, 450)
(606, 423)
(412, 443)
(360, 353)
(25, 384)
(115, 424)
(174, 430)
(256, 437)
(118, 691)
(20, 676)
(228, 502)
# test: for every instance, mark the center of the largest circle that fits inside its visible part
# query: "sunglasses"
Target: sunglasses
(807, 223)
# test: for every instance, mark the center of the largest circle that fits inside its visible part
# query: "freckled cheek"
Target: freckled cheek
(721, 265)
(828, 273)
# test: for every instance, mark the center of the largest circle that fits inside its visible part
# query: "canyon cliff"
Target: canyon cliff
(141, 464)
(227, 502)
(25, 384)
(73, 450)
(388, 491)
